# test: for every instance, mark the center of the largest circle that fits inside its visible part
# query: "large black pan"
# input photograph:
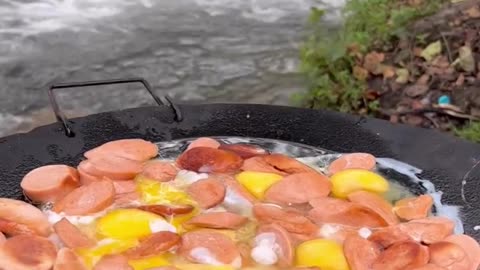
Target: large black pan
(446, 161)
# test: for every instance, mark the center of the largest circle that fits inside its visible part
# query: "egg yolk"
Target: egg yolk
(149, 262)
(350, 180)
(257, 183)
(325, 254)
(126, 224)
(154, 192)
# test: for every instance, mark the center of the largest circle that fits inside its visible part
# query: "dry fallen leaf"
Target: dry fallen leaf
(423, 80)
(388, 71)
(431, 51)
(402, 75)
(360, 73)
(465, 59)
(416, 90)
(473, 12)
(460, 80)
(372, 62)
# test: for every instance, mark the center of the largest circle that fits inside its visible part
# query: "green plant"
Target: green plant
(329, 57)
(470, 132)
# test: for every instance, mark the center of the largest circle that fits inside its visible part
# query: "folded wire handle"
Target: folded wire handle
(64, 120)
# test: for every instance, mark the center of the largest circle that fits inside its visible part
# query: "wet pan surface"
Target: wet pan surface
(450, 164)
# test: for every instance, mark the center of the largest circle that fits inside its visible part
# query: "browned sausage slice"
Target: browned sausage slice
(245, 151)
(134, 149)
(122, 187)
(352, 161)
(375, 203)
(204, 246)
(160, 170)
(87, 199)
(218, 220)
(402, 255)
(385, 237)
(287, 164)
(167, 210)
(153, 244)
(299, 188)
(114, 167)
(27, 252)
(207, 192)
(71, 236)
(360, 253)
(110, 262)
(49, 183)
(449, 256)
(336, 211)
(292, 221)
(283, 240)
(204, 142)
(259, 164)
(414, 208)
(428, 230)
(25, 214)
(469, 245)
(209, 160)
(68, 260)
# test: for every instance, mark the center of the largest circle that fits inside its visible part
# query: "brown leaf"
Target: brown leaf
(441, 62)
(417, 104)
(415, 3)
(460, 80)
(372, 61)
(417, 51)
(388, 72)
(360, 73)
(416, 90)
(473, 12)
(394, 118)
(423, 80)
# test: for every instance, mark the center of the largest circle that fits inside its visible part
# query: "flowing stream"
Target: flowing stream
(194, 50)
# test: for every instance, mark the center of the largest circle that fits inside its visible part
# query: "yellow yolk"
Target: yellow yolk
(257, 183)
(149, 262)
(325, 254)
(92, 255)
(154, 192)
(126, 224)
(350, 180)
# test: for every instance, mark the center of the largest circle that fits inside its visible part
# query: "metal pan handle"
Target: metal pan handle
(64, 120)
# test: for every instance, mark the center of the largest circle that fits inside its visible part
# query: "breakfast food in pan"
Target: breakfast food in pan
(220, 206)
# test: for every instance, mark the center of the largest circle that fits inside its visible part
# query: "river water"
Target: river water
(194, 50)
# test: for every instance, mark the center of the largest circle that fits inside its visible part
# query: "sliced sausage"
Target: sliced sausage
(27, 252)
(153, 244)
(207, 246)
(232, 185)
(287, 164)
(122, 187)
(245, 249)
(414, 208)
(385, 237)
(207, 192)
(290, 220)
(68, 260)
(469, 245)
(284, 242)
(87, 199)
(114, 167)
(209, 160)
(218, 220)
(336, 211)
(429, 266)
(375, 203)
(259, 164)
(167, 210)
(449, 256)
(49, 183)
(352, 161)
(402, 255)
(110, 262)
(2, 238)
(428, 230)
(360, 253)
(22, 213)
(12, 228)
(84, 169)
(71, 236)
(133, 149)
(204, 142)
(127, 199)
(245, 151)
(299, 188)
(160, 170)
(336, 232)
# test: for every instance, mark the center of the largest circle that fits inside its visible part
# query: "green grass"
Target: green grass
(470, 132)
(327, 58)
